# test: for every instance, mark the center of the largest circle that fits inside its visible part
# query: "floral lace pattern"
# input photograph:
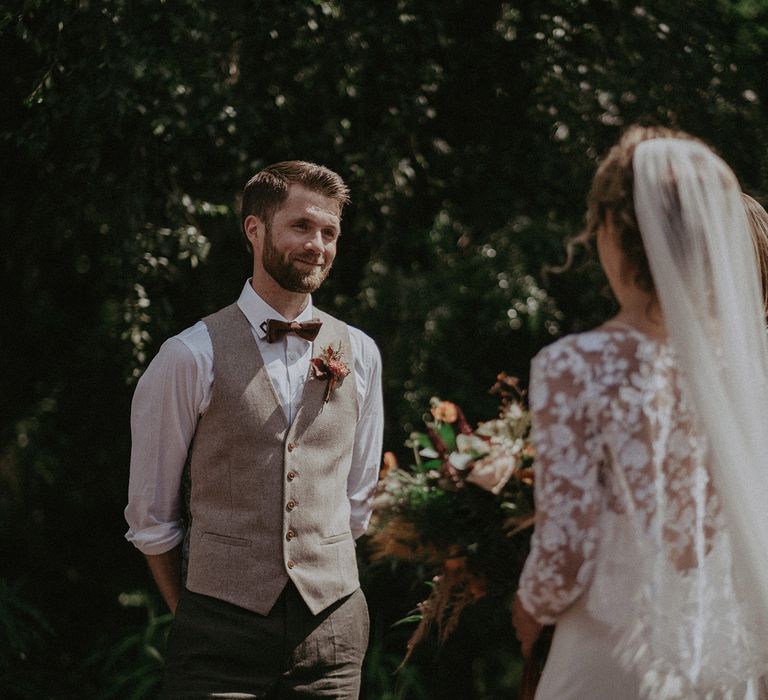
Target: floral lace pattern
(627, 514)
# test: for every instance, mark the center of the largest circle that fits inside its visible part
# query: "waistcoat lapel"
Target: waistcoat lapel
(313, 398)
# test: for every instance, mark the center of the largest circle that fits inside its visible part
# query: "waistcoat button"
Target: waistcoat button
(291, 446)
(290, 505)
(290, 564)
(290, 535)
(291, 475)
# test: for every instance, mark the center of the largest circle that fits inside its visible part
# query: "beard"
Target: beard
(287, 273)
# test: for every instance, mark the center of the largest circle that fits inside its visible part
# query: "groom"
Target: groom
(256, 443)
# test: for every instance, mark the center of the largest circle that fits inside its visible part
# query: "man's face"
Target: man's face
(300, 241)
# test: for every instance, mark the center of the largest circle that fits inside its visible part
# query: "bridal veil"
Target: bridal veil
(698, 625)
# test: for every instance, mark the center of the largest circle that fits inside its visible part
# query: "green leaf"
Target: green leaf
(447, 433)
(408, 620)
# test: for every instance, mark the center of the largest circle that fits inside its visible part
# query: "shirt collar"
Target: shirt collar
(257, 311)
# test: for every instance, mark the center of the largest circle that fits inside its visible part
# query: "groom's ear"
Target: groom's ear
(253, 228)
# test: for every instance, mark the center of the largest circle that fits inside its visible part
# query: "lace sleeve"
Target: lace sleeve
(568, 502)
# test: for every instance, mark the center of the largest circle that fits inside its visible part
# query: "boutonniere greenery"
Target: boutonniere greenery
(331, 367)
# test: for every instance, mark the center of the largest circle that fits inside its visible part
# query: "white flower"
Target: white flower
(491, 427)
(471, 443)
(460, 460)
(492, 472)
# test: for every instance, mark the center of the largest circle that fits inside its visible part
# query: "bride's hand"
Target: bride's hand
(527, 629)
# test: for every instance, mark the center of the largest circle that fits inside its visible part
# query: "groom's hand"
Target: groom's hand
(527, 629)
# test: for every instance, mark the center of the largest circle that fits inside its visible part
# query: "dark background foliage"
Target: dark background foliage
(468, 132)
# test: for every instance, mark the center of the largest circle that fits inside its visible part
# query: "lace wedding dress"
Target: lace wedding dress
(631, 556)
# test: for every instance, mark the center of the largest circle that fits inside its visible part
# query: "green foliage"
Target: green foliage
(22, 628)
(468, 132)
(383, 677)
(131, 668)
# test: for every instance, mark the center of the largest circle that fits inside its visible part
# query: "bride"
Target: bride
(650, 552)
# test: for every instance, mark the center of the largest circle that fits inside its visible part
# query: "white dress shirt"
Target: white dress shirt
(175, 390)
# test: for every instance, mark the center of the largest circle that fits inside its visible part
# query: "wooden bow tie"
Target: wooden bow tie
(277, 329)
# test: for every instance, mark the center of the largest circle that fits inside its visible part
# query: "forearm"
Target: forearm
(527, 628)
(554, 577)
(166, 570)
(567, 490)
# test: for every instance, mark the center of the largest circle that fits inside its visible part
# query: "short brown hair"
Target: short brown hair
(268, 189)
(757, 218)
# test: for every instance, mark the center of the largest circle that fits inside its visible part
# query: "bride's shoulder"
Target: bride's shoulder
(586, 357)
(588, 343)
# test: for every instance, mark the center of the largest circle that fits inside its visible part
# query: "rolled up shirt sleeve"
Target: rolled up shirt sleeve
(366, 454)
(164, 414)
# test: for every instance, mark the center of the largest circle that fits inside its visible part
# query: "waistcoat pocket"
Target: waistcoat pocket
(336, 538)
(225, 539)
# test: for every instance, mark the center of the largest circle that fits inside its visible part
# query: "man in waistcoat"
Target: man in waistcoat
(256, 444)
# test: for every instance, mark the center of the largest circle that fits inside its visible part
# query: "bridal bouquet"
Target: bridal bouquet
(463, 509)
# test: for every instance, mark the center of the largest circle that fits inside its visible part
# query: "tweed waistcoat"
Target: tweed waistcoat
(269, 501)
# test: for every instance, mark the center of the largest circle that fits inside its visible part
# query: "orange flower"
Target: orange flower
(389, 462)
(331, 367)
(526, 475)
(338, 368)
(446, 411)
(454, 563)
(477, 587)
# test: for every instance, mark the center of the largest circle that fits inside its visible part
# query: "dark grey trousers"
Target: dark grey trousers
(217, 650)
